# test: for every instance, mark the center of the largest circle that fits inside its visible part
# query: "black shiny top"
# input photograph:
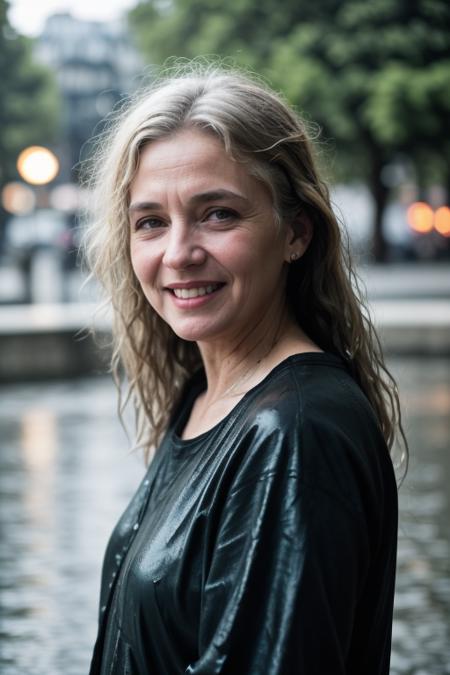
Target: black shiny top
(265, 546)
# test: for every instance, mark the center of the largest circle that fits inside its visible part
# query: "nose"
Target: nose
(182, 250)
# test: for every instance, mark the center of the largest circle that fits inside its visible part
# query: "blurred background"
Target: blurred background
(373, 81)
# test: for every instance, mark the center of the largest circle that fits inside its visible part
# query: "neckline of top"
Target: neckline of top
(192, 444)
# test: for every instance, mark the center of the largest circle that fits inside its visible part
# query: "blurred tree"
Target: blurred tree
(374, 75)
(29, 103)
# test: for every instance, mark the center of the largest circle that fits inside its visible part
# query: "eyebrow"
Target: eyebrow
(210, 196)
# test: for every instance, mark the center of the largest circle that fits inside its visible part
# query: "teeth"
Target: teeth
(194, 292)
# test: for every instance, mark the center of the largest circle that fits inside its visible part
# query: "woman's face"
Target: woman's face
(204, 245)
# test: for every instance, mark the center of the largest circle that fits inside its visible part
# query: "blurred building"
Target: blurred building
(95, 65)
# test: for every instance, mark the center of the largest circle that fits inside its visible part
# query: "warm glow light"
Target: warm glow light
(420, 217)
(37, 165)
(442, 221)
(18, 198)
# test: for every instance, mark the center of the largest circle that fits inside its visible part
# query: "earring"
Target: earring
(294, 256)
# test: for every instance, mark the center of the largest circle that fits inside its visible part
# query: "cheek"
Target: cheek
(249, 256)
(141, 262)
(239, 251)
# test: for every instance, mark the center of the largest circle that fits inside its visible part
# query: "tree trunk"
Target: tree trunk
(380, 195)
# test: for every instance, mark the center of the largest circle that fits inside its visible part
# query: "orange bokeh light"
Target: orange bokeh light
(442, 221)
(18, 198)
(37, 165)
(420, 217)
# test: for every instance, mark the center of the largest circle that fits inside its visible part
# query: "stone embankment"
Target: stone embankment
(43, 341)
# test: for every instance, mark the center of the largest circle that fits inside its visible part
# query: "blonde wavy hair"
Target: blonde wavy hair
(256, 126)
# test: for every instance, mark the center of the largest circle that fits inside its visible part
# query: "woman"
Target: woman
(262, 539)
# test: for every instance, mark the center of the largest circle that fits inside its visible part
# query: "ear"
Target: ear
(298, 237)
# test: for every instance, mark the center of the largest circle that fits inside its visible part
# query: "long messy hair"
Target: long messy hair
(258, 127)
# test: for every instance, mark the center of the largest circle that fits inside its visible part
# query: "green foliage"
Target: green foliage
(29, 109)
(370, 73)
(419, 96)
(374, 75)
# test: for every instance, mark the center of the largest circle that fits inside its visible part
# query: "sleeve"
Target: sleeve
(281, 590)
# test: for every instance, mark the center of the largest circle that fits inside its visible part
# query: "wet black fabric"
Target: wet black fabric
(265, 546)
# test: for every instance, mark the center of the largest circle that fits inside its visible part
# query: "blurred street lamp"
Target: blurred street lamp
(442, 221)
(18, 198)
(37, 165)
(423, 219)
(420, 217)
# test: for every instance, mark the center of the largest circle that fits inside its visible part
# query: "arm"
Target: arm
(281, 590)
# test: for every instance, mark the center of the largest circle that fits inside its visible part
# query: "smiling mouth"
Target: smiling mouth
(186, 293)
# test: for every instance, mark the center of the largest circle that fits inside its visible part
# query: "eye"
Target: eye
(149, 223)
(221, 215)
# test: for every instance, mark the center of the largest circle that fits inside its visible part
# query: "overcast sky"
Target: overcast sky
(28, 16)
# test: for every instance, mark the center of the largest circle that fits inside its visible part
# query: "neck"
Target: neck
(234, 368)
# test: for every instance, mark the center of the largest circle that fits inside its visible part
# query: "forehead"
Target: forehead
(187, 157)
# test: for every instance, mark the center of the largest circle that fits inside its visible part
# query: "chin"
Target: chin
(195, 333)
(190, 336)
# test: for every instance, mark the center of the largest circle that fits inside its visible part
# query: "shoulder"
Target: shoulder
(310, 418)
(313, 388)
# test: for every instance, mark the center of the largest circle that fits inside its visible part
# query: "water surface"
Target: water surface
(66, 475)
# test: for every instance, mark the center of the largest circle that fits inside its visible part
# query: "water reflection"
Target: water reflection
(422, 606)
(65, 476)
(64, 479)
